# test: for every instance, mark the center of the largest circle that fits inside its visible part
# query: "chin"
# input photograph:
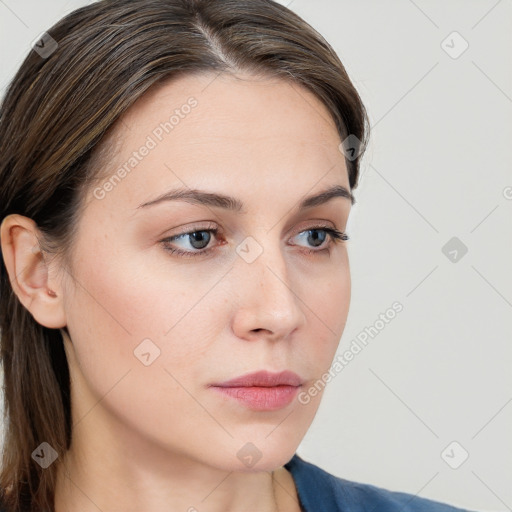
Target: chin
(253, 457)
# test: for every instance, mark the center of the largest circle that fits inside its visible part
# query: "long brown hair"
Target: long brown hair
(88, 70)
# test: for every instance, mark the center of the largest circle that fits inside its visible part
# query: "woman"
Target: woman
(177, 176)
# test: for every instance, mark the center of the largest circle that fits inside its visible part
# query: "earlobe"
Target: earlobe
(29, 273)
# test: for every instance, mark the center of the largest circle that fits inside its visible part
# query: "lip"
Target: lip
(262, 391)
(263, 378)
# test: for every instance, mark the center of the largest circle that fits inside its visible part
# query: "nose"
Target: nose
(269, 303)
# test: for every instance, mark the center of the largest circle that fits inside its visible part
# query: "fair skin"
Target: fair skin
(156, 437)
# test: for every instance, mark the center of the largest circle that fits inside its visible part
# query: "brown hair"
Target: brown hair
(57, 110)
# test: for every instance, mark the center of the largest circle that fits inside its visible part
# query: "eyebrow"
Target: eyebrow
(201, 197)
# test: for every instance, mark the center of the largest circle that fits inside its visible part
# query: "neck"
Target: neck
(92, 480)
(109, 472)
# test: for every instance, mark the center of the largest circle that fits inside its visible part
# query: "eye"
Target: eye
(197, 240)
(311, 236)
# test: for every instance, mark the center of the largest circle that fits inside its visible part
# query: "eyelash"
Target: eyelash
(336, 236)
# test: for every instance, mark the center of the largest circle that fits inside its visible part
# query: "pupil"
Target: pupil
(198, 237)
(316, 237)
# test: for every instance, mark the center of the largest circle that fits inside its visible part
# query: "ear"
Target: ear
(29, 273)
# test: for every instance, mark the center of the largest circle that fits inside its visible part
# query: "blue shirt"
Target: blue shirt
(320, 491)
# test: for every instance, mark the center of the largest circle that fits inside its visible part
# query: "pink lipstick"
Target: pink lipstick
(262, 390)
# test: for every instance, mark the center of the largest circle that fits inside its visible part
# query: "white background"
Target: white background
(438, 167)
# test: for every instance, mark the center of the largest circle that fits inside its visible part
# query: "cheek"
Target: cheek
(322, 292)
(124, 316)
(123, 308)
(329, 312)
(332, 291)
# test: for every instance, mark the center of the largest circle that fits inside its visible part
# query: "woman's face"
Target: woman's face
(152, 330)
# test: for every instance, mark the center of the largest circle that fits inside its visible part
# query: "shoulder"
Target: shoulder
(316, 488)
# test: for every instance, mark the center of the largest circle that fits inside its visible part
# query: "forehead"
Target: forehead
(236, 100)
(225, 132)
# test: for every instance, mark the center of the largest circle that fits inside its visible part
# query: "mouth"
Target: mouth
(262, 391)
